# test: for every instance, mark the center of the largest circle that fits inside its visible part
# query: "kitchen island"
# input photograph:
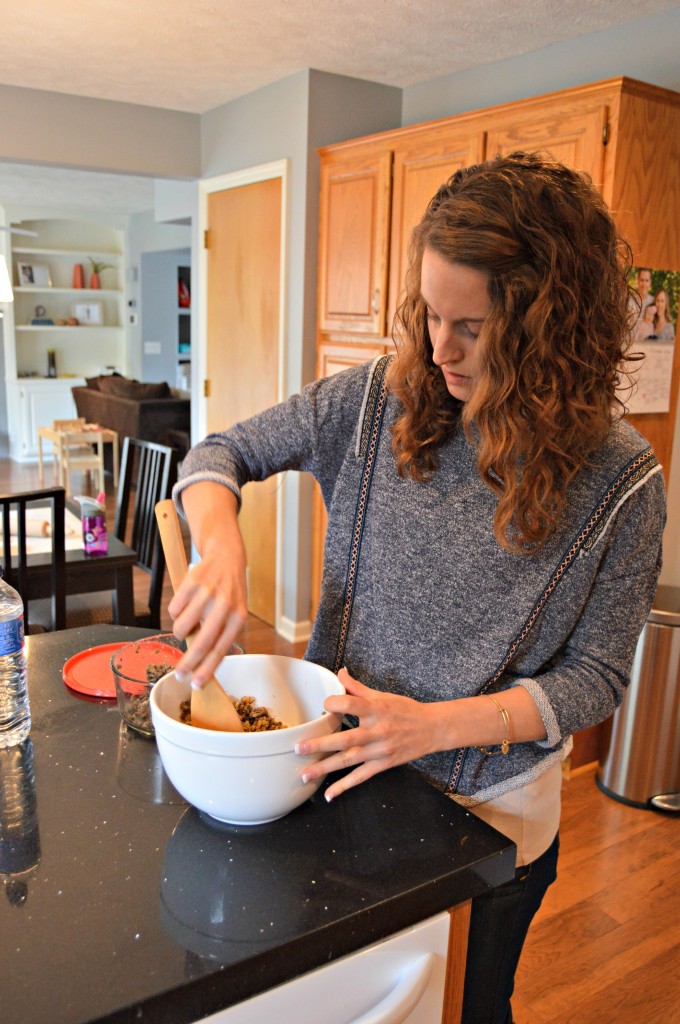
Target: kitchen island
(123, 904)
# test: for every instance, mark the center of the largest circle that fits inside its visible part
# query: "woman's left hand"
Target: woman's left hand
(392, 730)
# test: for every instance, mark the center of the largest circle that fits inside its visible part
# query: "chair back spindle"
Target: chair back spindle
(148, 473)
(19, 571)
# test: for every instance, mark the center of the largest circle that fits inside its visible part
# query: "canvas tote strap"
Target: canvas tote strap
(369, 435)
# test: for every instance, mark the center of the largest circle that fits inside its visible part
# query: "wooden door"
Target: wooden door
(244, 273)
(354, 224)
(419, 169)
(572, 133)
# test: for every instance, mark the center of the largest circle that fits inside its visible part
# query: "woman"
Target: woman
(663, 328)
(494, 529)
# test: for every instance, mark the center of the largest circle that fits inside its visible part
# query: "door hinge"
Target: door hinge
(605, 134)
(206, 389)
(206, 239)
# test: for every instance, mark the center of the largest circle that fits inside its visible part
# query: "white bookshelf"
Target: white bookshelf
(82, 350)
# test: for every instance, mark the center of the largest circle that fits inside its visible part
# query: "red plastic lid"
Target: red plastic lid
(90, 672)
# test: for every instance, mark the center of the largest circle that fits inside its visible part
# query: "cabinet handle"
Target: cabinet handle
(375, 304)
(397, 1005)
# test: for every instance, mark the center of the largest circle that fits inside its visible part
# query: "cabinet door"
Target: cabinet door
(572, 134)
(353, 241)
(399, 979)
(419, 170)
(332, 358)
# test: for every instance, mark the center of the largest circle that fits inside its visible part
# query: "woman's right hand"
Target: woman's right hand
(211, 600)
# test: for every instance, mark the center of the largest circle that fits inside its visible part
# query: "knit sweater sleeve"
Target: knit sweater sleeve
(586, 681)
(309, 432)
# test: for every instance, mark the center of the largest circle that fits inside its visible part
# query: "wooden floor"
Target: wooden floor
(605, 946)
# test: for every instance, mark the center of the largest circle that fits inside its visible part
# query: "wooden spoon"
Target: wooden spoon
(211, 707)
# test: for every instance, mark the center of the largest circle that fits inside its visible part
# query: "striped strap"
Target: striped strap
(370, 433)
(630, 478)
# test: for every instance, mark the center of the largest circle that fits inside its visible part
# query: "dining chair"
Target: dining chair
(78, 449)
(20, 529)
(147, 474)
(57, 427)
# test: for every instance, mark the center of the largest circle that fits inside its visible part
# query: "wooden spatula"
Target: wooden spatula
(210, 706)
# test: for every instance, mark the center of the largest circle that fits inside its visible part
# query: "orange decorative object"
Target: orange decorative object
(94, 281)
(78, 276)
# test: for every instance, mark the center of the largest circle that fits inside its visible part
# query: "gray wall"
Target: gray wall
(159, 312)
(289, 120)
(103, 135)
(145, 235)
(646, 48)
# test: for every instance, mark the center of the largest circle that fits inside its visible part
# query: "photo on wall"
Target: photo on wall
(655, 295)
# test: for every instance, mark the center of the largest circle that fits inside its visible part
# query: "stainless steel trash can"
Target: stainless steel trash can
(641, 765)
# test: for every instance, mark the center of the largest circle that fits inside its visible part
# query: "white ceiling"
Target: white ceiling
(193, 55)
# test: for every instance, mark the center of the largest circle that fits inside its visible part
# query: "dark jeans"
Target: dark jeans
(498, 927)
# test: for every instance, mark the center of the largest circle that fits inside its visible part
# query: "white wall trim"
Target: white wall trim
(247, 176)
(294, 632)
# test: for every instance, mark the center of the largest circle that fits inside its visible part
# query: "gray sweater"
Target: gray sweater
(440, 611)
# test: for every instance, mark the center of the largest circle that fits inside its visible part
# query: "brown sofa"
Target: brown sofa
(149, 412)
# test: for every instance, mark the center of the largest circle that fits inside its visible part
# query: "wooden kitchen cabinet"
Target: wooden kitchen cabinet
(354, 232)
(421, 165)
(572, 132)
(624, 133)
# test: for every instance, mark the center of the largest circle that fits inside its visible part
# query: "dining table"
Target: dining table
(123, 904)
(84, 573)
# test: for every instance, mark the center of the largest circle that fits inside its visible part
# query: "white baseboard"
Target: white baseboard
(294, 632)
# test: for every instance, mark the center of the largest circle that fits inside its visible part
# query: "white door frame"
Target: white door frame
(248, 176)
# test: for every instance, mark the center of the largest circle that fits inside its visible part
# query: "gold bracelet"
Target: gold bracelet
(505, 743)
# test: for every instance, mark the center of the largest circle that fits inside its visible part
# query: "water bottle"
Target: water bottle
(93, 517)
(15, 713)
(19, 833)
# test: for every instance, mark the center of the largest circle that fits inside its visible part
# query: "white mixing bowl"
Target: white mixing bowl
(247, 778)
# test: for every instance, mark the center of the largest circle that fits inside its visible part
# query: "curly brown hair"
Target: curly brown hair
(551, 349)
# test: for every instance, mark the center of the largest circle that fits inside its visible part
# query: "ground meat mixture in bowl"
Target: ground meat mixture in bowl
(254, 717)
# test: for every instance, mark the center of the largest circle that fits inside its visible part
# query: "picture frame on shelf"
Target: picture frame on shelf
(34, 275)
(89, 314)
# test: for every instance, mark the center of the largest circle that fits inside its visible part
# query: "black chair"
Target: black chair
(18, 529)
(147, 474)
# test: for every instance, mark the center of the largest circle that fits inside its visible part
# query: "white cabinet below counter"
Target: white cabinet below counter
(397, 981)
(33, 403)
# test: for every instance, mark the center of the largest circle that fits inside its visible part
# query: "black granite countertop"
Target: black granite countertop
(121, 903)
